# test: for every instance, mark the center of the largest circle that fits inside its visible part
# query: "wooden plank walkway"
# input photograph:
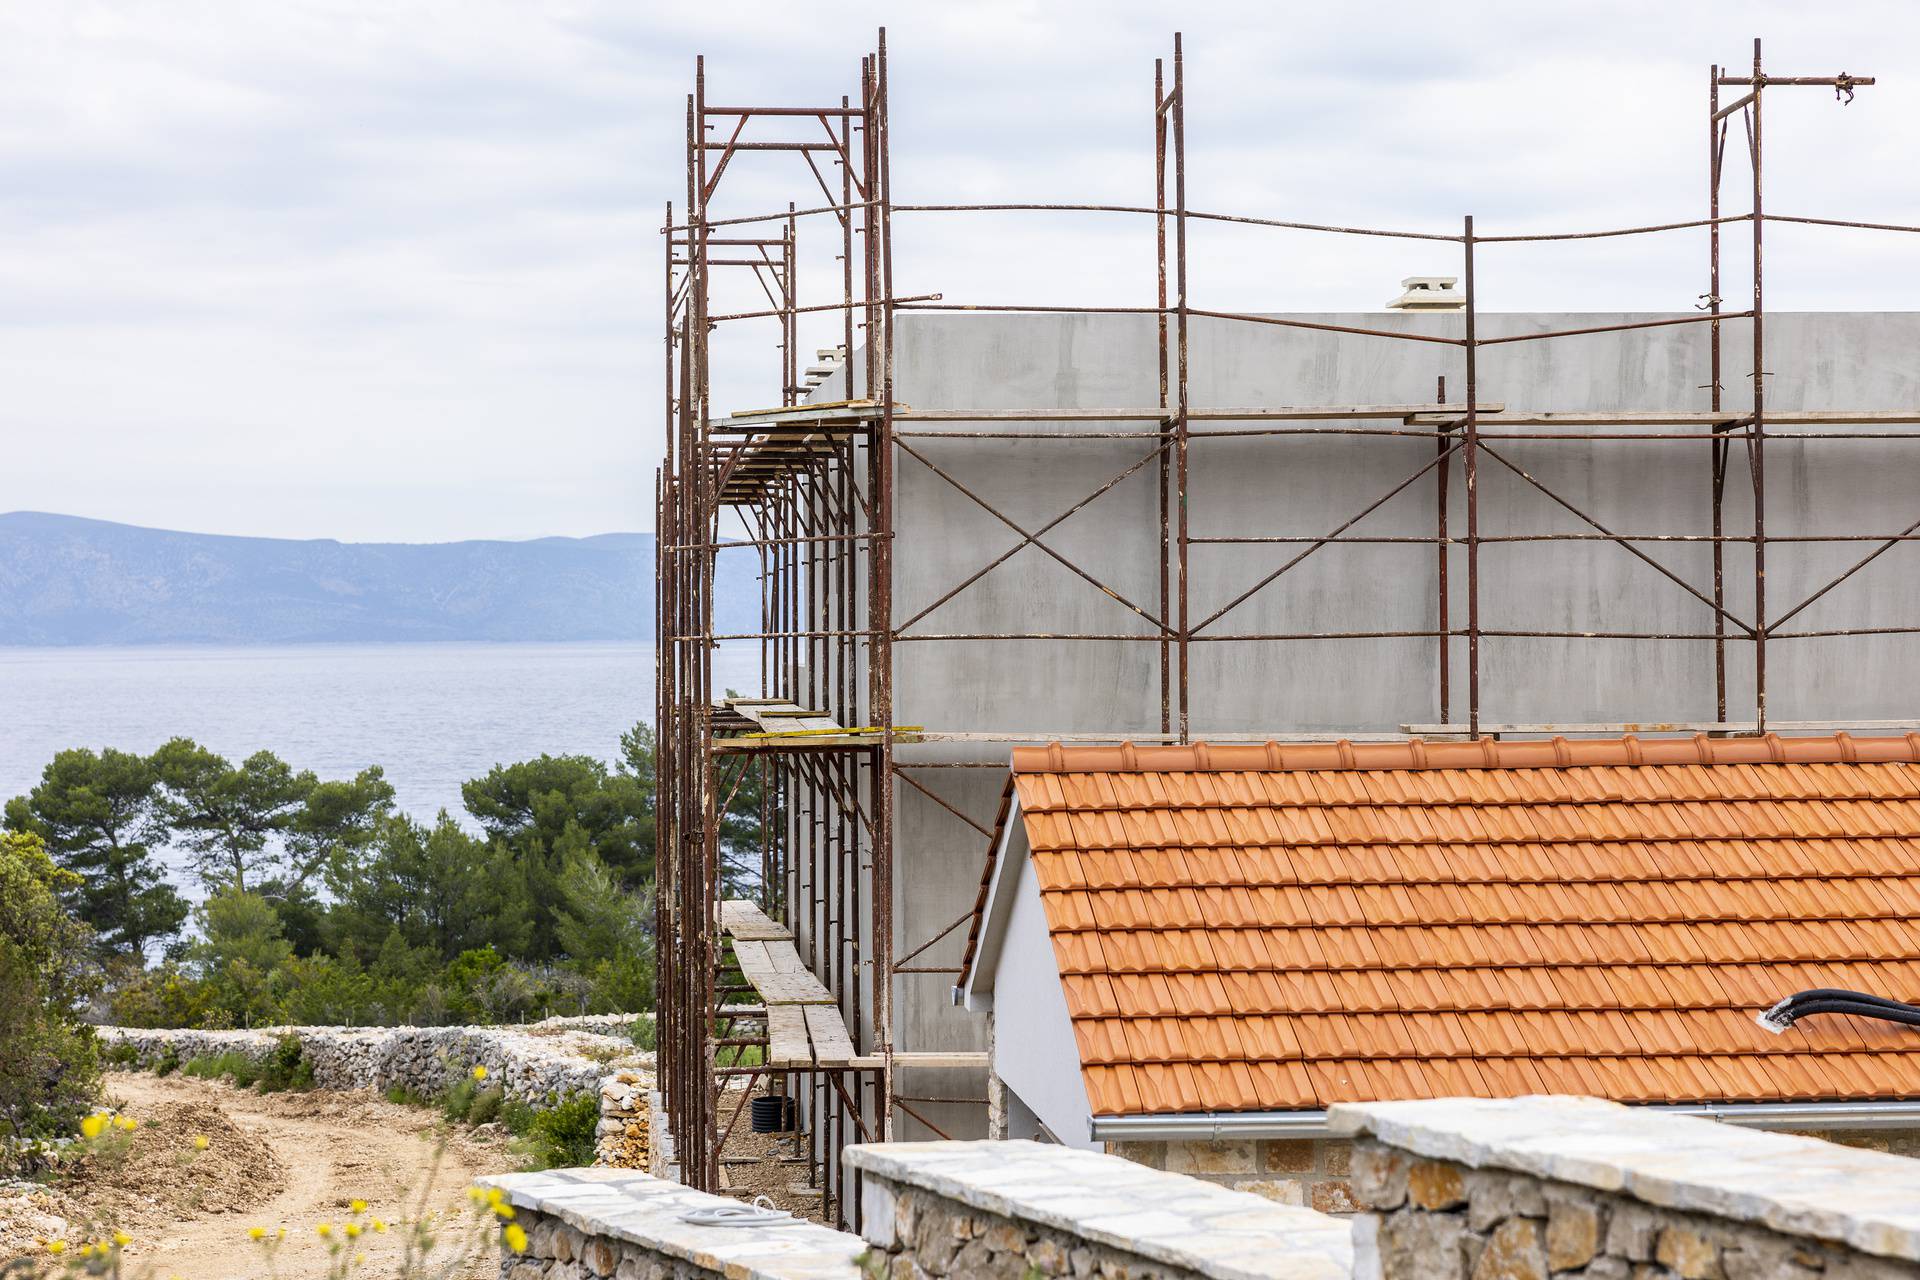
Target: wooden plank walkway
(804, 1025)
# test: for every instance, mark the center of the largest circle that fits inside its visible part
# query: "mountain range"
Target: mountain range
(65, 580)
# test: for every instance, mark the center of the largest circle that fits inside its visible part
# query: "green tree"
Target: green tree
(241, 955)
(438, 888)
(49, 1060)
(604, 931)
(230, 819)
(98, 813)
(539, 809)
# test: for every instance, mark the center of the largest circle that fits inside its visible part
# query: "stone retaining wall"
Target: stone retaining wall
(534, 1064)
(1469, 1189)
(607, 1224)
(1026, 1210)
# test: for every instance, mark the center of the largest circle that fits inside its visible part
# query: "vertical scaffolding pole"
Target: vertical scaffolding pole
(1441, 474)
(1759, 434)
(879, 187)
(1470, 467)
(1717, 457)
(1181, 433)
(1160, 348)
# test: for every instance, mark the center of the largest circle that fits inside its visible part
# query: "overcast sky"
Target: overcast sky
(390, 269)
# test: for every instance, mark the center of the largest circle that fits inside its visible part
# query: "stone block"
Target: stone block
(1380, 1176)
(1422, 1246)
(1210, 1157)
(1687, 1253)
(1048, 1256)
(1573, 1234)
(1336, 1156)
(1493, 1197)
(1631, 1232)
(1006, 1237)
(1287, 1155)
(601, 1255)
(1334, 1195)
(1279, 1190)
(1151, 1154)
(1514, 1251)
(1436, 1184)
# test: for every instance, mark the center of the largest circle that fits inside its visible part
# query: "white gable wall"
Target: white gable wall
(1034, 1052)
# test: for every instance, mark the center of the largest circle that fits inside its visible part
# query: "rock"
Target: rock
(1688, 1253)
(1423, 1246)
(1514, 1252)
(1436, 1184)
(1380, 1176)
(1573, 1234)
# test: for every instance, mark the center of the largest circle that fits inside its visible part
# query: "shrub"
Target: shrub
(561, 1136)
(645, 1031)
(399, 1093)
(123, 1054)
(232, 1064)
(517, 1116)
(286, 1067)
(486, 1106)
(49, 1059)
(167, 1063)
(457, 1101)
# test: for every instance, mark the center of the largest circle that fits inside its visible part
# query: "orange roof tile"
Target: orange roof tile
(1253, 927)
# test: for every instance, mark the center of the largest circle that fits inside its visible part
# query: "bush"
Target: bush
(486, 1106)
(232, 1064)
(517, 1117)
(123, 1054)
(646, 1031)
(459, 1100)
(49, 1059)
(562, 1135)
(167, 1063)
(286, 1067)
(405, 1097)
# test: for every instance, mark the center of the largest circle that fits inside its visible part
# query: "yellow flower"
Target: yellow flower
(200, 1142)
(476, 1194)
(128, 1123)
(256, 1233)
(479, 1073)
(325, 1230)
(93, 1126)
(505, 1211)
(86, 1251)
(122, 1239)
(281, 1234)
(379, 1227)
(56, 1247)
(353, 1230)
(357, 1206)
(516, 1237)
(495, 1195)
(359, 1259)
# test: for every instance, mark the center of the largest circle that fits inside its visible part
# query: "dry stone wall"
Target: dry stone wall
(534, 1064)
(1532, 1188)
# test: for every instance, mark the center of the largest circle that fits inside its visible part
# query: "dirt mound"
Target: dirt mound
(160, 1172)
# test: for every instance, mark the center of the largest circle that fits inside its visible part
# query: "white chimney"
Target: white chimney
(1429, 293)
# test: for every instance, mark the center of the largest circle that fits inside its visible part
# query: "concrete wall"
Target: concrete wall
(1308, 486)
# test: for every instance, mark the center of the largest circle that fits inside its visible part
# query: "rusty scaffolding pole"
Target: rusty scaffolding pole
(812, 485)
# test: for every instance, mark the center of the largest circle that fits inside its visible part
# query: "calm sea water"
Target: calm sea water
(432, 715)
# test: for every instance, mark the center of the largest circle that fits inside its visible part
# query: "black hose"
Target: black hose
(1857, 1004)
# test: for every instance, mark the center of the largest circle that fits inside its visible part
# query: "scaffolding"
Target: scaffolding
(812, 485)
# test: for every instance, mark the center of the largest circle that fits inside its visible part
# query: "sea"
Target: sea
(431, 715)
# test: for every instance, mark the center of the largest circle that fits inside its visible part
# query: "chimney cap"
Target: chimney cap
(1429, 293)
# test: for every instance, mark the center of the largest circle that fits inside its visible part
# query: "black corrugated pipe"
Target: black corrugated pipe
(1856, 1004)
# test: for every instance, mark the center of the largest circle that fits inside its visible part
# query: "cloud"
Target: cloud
(391, 270)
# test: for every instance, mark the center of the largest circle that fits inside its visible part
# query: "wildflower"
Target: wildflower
(325, 1230)
(516, 1237)
(359, 1259)
(93, 1126)
(200, 1142)
(281, 1234)
(479, 1073)
(256, 1233)
(126, 1123)
(495, 1195)
(353, 1230)
(505, 1211)
(357, 1206)
(86, 1251)
(379, 1227)
(476, 1194)
(56, 1247)
(122, 1239)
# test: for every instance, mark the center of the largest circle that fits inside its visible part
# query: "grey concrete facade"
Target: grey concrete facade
(1308, 486)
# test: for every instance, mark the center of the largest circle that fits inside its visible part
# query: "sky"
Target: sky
(390, 270)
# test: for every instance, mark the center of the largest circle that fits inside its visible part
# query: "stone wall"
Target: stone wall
(1026, 1210)
(1305, 1171)
(535, 1064)
(608, 1224)
(1471, 1189)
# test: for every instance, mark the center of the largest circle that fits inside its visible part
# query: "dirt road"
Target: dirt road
(283, 1160)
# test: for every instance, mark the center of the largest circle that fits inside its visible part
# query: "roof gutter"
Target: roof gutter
(1218, 1126)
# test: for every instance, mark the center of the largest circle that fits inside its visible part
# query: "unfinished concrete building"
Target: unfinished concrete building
(987, 526)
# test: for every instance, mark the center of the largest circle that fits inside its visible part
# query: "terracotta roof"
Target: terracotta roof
(1287, 927)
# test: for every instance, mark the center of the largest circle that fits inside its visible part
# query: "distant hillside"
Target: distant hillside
(65, 580)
